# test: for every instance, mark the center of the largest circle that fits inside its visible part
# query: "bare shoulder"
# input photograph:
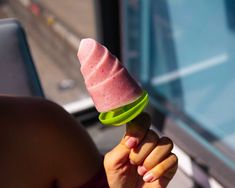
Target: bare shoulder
(47, 141)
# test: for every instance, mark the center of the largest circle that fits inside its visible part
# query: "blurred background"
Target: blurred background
(54, 29)
(181, 52)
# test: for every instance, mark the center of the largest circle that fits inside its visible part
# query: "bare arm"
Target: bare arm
(42, 144)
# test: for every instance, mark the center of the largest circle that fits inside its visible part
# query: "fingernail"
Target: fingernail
(133, 163)
(148, 177)
(141, 170)
(131, 142)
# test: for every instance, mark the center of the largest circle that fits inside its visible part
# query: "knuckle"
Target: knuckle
(159, 169)
(168, 141)
(141, 122)
(138, 132)
(135, 131)
(135, 158)
(168, 165)
(139, 154)
(152, 136)
(174, 158)
(148, 164)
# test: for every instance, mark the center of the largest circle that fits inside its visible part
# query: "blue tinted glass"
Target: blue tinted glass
(187, 55)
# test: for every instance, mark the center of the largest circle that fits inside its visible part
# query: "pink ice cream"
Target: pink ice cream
(107, 81)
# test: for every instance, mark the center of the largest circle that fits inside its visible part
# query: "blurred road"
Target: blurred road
(53, 77)
(54, 46)
(79, 15)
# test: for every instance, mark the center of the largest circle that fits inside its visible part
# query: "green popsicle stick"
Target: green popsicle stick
(126, 113)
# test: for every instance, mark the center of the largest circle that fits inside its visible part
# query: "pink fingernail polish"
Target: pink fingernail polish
(133, 163)
(141, 170)
(131, 142)
(148, 177)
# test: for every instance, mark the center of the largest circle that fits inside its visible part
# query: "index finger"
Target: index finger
(137, 129)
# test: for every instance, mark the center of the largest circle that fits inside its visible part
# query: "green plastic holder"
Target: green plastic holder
(126, 113)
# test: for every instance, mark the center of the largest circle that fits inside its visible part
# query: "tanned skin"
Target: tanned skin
(42, 146)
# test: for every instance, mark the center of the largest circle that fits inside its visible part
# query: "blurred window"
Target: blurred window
(54, 29)
(185, 54)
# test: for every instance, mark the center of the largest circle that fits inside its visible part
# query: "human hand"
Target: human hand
(141, 159)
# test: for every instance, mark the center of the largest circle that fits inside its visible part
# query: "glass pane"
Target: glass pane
(187, 56)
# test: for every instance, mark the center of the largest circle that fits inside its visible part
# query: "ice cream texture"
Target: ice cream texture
(116, 95)
(107, 81)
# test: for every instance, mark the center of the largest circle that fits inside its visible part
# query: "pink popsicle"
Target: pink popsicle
(107, 81)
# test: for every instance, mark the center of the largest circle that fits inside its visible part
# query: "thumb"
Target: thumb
(135, 132)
